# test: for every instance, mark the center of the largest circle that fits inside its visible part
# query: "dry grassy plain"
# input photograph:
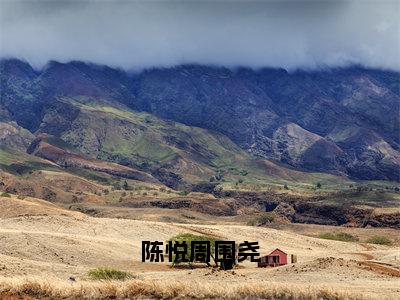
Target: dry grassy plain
(42, 246)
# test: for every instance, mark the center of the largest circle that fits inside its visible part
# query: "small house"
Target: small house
(274, 259)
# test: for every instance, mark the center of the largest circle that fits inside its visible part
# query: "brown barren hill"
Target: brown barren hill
(12, 207)
(68, 159)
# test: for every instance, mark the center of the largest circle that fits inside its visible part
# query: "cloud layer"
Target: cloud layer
(137, 34)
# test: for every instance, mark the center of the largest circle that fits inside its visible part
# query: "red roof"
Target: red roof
(276, 250)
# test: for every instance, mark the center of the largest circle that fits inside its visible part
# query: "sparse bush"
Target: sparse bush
(49, 194)
(318, 185)
(123, 194)
(338, 236)
(144, 194)
(183, 193)
(155, 194)
(263, 218)
(108, 274)
(244, 173)
(21, 197)
(240, 180)
(218, 189)
(116, 186)
(188, 238)
(219, 175)
(126, 186)
(251, 222)
(162, 189)
(5, 195)
(286, 187)
(379, 240)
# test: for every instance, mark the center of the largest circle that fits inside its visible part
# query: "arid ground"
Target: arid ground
(44, 245)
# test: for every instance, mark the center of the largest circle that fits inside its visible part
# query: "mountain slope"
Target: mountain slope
(310, 120)
(176, 154)
(253, 108)
(179, 156)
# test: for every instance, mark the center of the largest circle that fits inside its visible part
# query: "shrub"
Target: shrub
(263, 218)
(108, 274)
(116, 186)
(21, 197)
(5, 195)
(244, 173)
(218, 189)
(183, 193)
(219, 175)
(338, 236)
(188, 238)
(286, 187)
(126, 186)
(162, 189)
(319, 185)
(144, 194)
(380, 240)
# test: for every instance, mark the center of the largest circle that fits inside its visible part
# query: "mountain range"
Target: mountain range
(191, 123)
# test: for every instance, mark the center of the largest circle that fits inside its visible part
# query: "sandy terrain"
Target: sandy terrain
(47, 241)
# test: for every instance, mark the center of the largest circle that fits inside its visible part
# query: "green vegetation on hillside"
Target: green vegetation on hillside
(188, 238)
(380, 240)
(108, 274)
(338, 236)
(176, 154)
(150, 143)
(20, 163)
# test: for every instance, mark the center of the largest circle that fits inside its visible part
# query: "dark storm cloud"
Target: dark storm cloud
(136, 34)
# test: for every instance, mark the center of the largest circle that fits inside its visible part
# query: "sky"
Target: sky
(143, 34)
